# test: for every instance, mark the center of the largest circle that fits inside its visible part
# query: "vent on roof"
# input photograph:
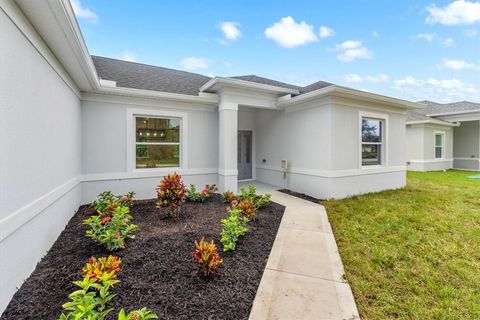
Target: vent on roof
(108, 83)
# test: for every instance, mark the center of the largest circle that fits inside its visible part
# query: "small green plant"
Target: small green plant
(90, 301)
(206, 256)
(260, 201)
(171, 193)
(141, 314)
(232, 228)
(194, 196)
(111, 231)
(107, 202)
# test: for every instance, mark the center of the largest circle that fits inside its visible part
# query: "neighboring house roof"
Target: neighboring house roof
(142, 76)
(433, 109)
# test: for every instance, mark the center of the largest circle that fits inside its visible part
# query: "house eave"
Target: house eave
(437, 122)
(452, 113)
(339, 91)
(66, 43)
(202, 98)
(217, 83)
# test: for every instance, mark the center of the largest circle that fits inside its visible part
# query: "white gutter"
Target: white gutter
(246, 84)
(453, 113)
(433, 121)
(335, 90)
(202, 98)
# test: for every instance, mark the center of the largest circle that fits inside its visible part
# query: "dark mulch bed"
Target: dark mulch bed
(158, 268)
(301, 195)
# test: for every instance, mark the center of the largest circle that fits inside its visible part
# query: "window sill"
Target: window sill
(377, 166)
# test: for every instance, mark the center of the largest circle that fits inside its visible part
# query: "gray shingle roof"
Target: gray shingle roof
(433, 108)
(142, 76)
(147, 77)
(262, 80)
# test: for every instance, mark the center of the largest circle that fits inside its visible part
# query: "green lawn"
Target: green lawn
(413, 253)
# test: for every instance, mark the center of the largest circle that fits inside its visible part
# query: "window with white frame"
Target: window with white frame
(157, 142)
(372, 141)
(439, 145)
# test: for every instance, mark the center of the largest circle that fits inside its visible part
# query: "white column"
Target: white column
(227, 149)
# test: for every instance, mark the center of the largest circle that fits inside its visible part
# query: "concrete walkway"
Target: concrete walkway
(303, 278)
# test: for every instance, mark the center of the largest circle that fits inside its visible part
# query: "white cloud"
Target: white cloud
(457, 65)
(231, 30)
(128, 55)
(448, 42)
(379, 78)
(82, 12)
(288, 34)
(456, 13)
(227, 64)
(351, 50)
(194, 63)
(326, 32)
(425, 36)
(435, 89)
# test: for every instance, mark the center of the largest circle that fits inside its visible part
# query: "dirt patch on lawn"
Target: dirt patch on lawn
(158, 268)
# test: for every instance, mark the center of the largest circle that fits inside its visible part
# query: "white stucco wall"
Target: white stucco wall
(322, 145)
(104, 148)
(421, 147)
(41, 160)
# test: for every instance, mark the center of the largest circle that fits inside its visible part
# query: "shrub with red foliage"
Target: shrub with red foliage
(99, 268)
(171, 193)
(206, 256)
(248, 208)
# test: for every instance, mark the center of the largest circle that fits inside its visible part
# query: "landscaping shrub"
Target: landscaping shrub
(206, 257)
(97, 268)
(251, 194)
(171, 193)
(229, 196)
(107, 202)
(194, 196)
(111, 231)
(248, 208)
(232, 228)
(90, 301)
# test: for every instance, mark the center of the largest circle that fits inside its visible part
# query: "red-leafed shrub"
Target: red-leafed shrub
(206, 256)
(171, 193)
(248, 208)
(229, 196)
(97, 269)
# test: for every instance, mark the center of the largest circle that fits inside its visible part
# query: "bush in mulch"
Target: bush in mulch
(158, 270)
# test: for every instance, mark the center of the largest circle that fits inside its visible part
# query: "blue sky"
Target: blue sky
(408, 49)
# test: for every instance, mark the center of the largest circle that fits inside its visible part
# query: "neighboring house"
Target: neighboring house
(73, 125)
(444, 136)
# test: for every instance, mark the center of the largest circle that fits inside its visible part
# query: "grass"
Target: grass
(413, 253)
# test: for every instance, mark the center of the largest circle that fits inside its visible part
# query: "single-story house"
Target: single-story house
(73, 125)
(444, 136)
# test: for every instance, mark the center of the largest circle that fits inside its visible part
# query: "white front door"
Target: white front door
(244, 162)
